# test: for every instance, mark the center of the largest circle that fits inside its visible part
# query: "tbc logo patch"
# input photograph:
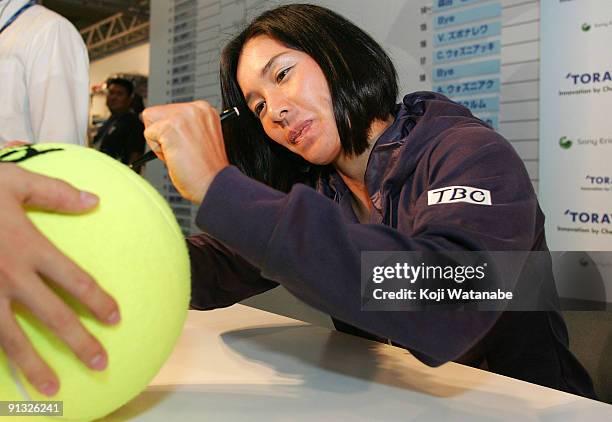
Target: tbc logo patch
(453, 194)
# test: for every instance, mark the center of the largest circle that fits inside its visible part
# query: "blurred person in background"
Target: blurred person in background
(121, 136)
(44, 76)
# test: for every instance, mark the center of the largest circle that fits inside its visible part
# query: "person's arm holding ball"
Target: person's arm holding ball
(28, 261)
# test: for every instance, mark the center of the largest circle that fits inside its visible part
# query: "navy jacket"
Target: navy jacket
(310, 242)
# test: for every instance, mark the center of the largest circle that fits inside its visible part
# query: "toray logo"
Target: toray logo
(599, 180)
(588, 217)
(589, 77)
(452, 194)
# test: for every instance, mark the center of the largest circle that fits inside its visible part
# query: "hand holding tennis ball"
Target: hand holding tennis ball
(25, 256)
(130, 244)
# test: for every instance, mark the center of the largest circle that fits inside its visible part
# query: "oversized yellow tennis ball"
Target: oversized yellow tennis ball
(132, 245)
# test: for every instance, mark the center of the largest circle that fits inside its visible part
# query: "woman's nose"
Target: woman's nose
(278, 110)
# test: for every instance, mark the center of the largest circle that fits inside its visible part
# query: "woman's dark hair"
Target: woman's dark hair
(360, 75)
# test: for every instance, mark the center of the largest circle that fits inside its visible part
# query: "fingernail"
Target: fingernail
(98, 362)
(113, 318)
(48, 388)
(88, 199)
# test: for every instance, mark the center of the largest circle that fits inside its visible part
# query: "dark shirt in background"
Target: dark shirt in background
(122, 137)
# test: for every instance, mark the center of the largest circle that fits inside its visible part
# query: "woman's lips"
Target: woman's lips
(296, 135)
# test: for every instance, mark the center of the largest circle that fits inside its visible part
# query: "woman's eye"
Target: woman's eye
(259, 108)
(281, 75)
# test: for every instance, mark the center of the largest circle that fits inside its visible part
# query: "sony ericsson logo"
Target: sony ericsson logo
(17, 155)
(588, 78)
(588, 26)
(453, 194)
(565, 142)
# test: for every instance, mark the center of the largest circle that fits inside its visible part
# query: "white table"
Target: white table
(244, 364)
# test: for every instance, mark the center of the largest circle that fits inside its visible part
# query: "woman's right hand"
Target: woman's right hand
(29, 263)
(189, 139)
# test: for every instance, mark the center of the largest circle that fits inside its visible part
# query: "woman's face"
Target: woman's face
(288, 92)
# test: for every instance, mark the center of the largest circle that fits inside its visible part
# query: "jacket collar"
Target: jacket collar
(419, 118)
(386, 150)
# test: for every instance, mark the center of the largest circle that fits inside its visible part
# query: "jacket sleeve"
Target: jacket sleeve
(302, 241)
(476, 158)
(219, 276)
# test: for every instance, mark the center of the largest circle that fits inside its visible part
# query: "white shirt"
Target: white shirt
(44, 77)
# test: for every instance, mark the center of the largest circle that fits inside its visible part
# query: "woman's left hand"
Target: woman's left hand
(189, 139)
